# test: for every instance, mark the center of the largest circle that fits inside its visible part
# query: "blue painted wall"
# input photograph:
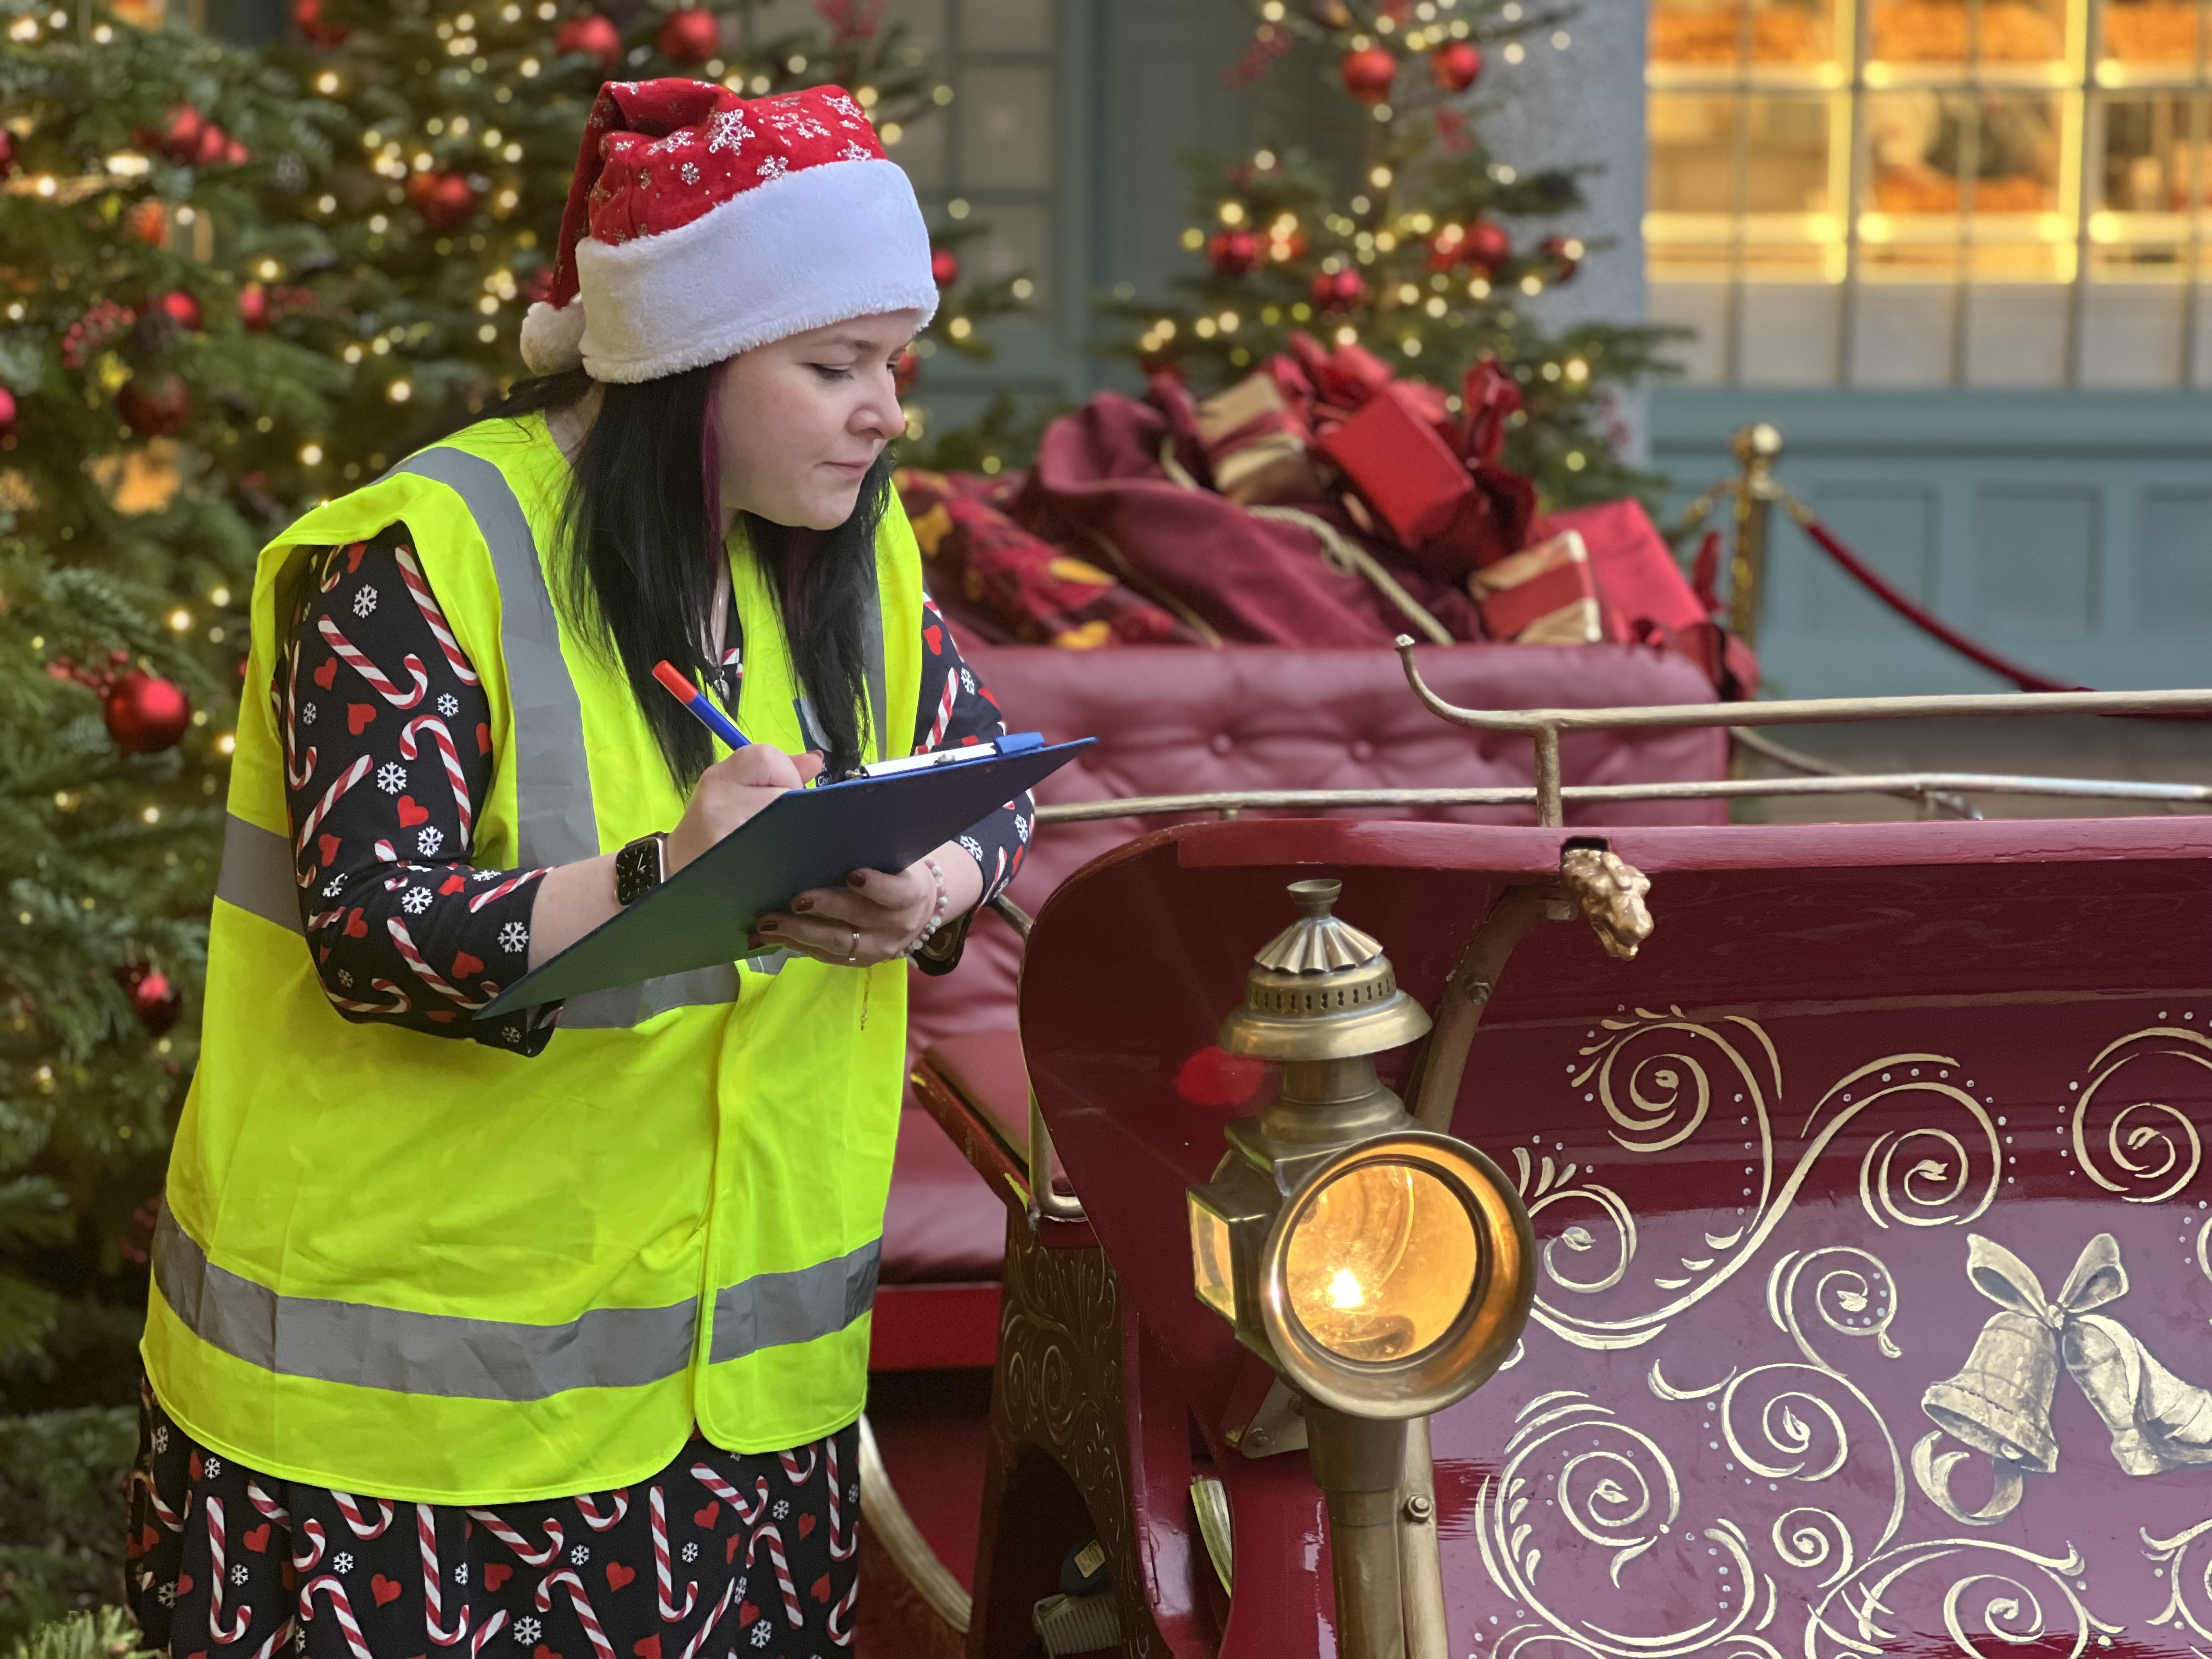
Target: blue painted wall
(2070, 531)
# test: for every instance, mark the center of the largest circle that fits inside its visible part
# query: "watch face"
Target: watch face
(637, 870)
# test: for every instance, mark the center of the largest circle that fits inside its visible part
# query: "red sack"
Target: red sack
(998, 583)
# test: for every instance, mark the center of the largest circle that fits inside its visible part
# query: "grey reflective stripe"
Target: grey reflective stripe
(418, 1353)
(871, 661)
(554, 817)
(633, 1005)
(771, 1311)
(554, 820)
(256, 873)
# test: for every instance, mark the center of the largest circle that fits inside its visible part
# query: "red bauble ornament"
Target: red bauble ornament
(146, 714)
(1565, 254)
(254, 307)
(182, 307)
(1486, 245)
(691, 36)
(307, 18)
(9, 412)
(943, 266)
(1368, 74)
(214, 147)
(906, 370)
(444, 199)
(1233, 252)
(7, 152)
(152, 998)
(180, 138)
(156, 406)
(1339, 290)
(1446, 248)
(1456, 66)
(592, 35)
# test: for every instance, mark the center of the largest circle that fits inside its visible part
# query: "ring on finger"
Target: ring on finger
(854, 959)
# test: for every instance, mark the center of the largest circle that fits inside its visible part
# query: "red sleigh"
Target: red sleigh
(1868, 1280)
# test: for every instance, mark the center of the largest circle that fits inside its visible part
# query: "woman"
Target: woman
(557, 1335)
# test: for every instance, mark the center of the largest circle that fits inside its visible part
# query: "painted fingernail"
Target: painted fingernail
(853, 880)
(802, 905)
(769, 928)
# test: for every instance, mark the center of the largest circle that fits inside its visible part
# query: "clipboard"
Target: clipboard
(704, 915)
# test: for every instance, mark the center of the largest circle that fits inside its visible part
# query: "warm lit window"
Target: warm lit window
(1931, 191)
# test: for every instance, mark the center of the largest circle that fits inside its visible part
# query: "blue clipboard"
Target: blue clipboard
(704, 914)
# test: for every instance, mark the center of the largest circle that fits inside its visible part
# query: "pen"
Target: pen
(696, 700)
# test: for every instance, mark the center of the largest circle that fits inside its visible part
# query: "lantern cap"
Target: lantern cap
(1322, 989)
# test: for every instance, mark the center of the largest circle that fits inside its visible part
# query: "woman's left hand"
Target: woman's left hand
(874, 917)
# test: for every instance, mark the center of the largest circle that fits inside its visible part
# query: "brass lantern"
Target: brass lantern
(1383, 1270)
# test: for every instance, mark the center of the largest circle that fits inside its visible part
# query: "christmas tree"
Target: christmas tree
(1427, 259)
(141, 413)
(439, 222)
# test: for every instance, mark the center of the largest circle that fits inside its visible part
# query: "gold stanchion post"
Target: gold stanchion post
(1757, 447)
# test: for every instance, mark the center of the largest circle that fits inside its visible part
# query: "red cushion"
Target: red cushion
(943, 1223)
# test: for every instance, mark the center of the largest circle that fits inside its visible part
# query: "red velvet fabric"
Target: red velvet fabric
(1174, 719)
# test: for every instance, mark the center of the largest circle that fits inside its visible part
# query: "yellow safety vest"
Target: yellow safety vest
(427, 1269)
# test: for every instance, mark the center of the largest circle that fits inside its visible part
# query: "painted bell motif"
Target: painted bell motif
(2158, 1420)
(2000, 1401)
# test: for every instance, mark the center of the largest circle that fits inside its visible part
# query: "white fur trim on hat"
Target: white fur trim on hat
(551, 339)
(819, 246)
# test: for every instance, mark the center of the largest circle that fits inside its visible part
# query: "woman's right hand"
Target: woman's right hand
(732, 790)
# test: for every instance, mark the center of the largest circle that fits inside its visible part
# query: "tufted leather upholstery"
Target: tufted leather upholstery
(1174, 721)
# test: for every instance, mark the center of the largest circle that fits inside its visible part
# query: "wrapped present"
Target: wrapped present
(1004, 585)
(1257, 442)
(1543, 595)
(1408, 476)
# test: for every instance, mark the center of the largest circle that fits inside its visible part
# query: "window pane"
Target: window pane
(2153, 153)
(1713, 31)
(1787, 168)
(1693, 148)
(1931, 153)
(2154, 32)
(1949, 31)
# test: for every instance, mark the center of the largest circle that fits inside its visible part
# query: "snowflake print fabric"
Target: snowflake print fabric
(384, 795)
(223, 1561)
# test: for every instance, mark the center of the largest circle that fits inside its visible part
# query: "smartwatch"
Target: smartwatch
(640, 867)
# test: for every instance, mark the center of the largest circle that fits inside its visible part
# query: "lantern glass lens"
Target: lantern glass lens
(1210, 1262)
(1380, 1262)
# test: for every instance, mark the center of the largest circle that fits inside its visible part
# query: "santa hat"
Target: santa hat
(700, 224)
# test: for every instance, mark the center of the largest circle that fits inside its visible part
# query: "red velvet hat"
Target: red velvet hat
(700, 224)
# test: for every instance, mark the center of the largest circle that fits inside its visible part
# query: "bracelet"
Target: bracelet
(937, 917)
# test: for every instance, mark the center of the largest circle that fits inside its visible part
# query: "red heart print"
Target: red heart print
(484, 738)
(328, 846)
(194, 1465)
(384, 1589)
(730, 1550)
(323, 953)
(707, 1516)
(746, 1613)
(353, 556)
(257, 1538)
(464, 964)
(453, 884)
(807, 1524)
(410, 814)
(184, 1585)
(287, 1573)
(936, 637)
(619, 1576)
(647, 1647)
(497, 1573)
(541, 1651)
(356, 928)
(360, 716)
(821, 1590)
(327, 675)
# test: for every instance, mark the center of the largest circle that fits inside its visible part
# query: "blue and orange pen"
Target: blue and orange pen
(696, 700)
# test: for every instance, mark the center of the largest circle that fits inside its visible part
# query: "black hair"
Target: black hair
(639, 535)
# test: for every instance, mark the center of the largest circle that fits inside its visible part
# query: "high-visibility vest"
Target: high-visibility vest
(427, 1269)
